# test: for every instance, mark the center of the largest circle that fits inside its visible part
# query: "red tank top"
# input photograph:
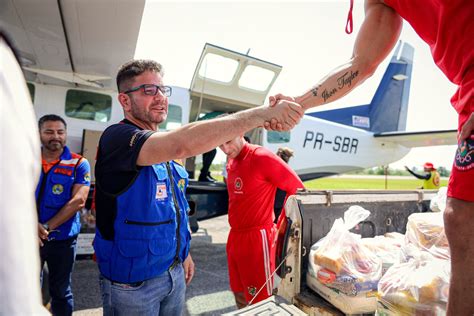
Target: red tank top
(447, 26)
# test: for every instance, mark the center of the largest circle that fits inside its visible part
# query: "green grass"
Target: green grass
(357, 183)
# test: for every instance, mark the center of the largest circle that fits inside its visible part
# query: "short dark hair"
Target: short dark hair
(51, 117)
(285, 153)
(133, 68)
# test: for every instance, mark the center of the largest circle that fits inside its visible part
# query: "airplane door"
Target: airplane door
(228, 81)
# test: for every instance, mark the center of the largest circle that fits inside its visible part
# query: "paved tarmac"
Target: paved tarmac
(208, 293)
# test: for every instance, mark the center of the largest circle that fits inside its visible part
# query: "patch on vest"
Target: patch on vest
(181, 184)
(87, 177)
(57, 189)
(161, 193)
(252, 290)
(464, 159)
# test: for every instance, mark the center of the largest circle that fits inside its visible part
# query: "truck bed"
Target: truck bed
(312, 214)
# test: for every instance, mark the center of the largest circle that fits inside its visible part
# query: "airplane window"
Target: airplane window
(87, 105)
(174, 120)
(31, 89)
(278, 137)
(256, 78)
(218, 68)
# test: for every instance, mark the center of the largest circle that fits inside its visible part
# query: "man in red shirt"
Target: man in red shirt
(254, 174)
(447, 27)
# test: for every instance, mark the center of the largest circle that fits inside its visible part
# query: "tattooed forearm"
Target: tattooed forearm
(314, 91)
(346, 79)
(327, 94)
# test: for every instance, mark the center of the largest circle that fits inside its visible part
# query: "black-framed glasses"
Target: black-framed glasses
(152, 89)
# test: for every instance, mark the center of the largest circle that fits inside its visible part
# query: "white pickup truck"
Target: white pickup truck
(311, 215)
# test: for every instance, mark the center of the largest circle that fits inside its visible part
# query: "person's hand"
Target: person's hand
(42, 234)
(273, 99)
(188, 266)
(283, 116)
(273, 124)
(467, 129)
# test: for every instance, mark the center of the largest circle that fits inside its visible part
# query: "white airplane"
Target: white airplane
(71, 51)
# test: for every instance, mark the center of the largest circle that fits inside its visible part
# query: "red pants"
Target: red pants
(251, 261)
(461, 182)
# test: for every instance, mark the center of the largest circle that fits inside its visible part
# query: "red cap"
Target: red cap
(429, 165)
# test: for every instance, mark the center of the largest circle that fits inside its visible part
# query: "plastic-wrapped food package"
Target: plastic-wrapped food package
(396, 239)
(386, 248)
(438, 203)
(342, 251)
(417, 287)
(343, 270)
(426, 231)
(364, 302)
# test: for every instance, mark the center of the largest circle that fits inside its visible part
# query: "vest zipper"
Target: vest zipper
(178, 220)
(147, 223)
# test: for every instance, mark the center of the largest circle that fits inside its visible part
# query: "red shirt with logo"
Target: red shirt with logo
(253, 177)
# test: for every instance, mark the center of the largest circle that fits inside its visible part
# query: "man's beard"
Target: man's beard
(147, 117)
(54, 145)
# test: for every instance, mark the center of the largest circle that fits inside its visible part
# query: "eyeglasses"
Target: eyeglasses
(152, 89)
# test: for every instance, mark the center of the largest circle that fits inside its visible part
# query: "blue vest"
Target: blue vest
(151, 228)
(54, 190)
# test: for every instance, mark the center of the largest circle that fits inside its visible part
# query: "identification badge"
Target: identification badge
(161, 193)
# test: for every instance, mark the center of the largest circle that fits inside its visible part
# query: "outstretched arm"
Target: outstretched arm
(202, 136)
(378, 35)
(421, 177)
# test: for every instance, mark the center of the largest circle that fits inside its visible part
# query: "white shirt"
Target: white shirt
(20, 165)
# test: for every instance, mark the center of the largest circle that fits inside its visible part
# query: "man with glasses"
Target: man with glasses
(61, 192)
(142, 237)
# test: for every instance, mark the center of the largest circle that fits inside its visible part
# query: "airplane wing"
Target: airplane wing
(420, 139)
(73, 42)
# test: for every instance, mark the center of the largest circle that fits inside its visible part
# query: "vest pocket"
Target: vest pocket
(142, 223)
(160, 247)
(133, 248)
(60, 190)
(180, 170)
(139, 259)
(162, 252)
(132, 262)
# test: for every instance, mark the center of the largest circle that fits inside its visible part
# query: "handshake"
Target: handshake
(282, 113)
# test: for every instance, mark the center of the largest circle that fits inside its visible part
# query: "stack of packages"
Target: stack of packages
(343, 269)
(419, 284)
(393, 274)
